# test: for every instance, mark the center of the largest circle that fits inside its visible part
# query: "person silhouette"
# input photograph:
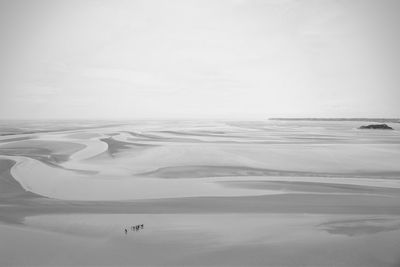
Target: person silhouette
(126, 231)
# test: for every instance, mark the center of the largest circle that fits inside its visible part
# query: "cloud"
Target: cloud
(198, 58)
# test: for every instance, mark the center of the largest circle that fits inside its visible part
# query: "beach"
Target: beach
(209, 193)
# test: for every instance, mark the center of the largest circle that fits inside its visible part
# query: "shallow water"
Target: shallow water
(217, 150)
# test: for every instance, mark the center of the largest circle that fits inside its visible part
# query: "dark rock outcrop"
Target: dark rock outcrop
(377, 126)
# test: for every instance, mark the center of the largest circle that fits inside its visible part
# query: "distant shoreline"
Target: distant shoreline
(339, 119)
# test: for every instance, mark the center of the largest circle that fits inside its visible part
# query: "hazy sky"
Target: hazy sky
(247, 59)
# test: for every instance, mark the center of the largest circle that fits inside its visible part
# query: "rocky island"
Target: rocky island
(377, 126)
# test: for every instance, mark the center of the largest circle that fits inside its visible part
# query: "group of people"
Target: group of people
(135, 228)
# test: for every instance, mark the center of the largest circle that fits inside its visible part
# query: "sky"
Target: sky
(205, 59)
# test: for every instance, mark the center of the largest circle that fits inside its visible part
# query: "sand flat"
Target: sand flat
(208, 193)
(207, 240)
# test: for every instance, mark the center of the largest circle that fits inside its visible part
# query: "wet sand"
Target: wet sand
(234, 193)
(200, 240)
(223, 171)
